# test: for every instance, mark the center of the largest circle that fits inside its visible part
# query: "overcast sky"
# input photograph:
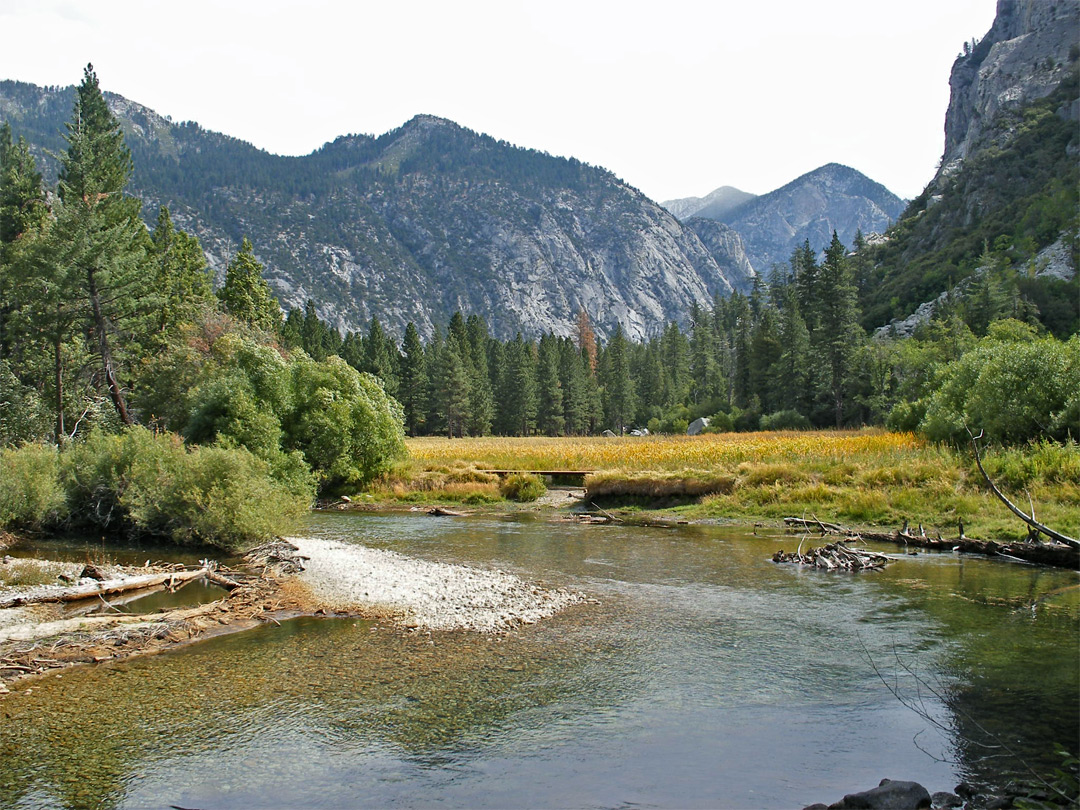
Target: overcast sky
(676, 98)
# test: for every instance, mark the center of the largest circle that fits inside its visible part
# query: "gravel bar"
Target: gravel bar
(421, 594)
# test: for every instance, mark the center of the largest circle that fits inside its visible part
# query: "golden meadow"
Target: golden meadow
(863, 477)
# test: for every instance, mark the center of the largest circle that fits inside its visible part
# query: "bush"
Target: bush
(140, 483)
(30, 493)
(522, 487)
(785, 420)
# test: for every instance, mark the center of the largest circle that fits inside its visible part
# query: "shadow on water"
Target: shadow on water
(707, 676)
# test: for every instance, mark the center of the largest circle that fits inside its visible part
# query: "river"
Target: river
(706, 677)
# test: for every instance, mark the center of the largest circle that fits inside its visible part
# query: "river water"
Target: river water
(707, 676)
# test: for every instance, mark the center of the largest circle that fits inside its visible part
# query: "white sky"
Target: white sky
(676, 97)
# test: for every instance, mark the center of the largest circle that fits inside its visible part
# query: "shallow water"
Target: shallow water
(707, 677)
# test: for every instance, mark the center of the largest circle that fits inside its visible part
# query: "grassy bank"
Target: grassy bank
(866, 478)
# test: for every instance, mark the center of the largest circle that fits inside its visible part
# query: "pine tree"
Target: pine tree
(702, 355)
(481, 409)
(246, 295)
(381, 357)
(181, 280)
(414, 380)
(518, 390)
(98, 232)
(619, 394)
(793, 368)
(838, 334)
(549, 418)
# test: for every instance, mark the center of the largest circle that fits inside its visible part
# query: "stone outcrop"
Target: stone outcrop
(1023, 57)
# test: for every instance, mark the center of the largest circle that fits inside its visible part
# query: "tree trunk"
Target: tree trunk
(115, 392)
(59, 369)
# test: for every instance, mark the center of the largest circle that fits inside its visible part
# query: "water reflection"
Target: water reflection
(706, 677)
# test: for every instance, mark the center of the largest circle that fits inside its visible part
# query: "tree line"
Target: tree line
(97, 312)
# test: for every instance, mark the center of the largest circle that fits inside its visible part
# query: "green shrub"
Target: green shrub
(785, 420)
(30, 491)
(522, 487)
(139, 482)
(1014, 390)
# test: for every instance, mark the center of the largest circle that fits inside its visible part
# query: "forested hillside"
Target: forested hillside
(415, 224)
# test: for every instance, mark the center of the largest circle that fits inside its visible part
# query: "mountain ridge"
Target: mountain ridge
(414, 224)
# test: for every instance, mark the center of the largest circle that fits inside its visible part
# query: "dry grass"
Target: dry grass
(664, 453)
(865, 477)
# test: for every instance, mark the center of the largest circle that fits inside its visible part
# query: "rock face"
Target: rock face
(714, 205)
(1024, 56)
(417, 223)
(811, 207)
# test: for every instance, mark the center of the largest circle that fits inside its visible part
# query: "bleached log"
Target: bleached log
(103, 588)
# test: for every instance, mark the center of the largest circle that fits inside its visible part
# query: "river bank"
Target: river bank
(283, 580)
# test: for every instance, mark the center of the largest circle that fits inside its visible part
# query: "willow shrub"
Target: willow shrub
(141, 483)
(522, 487)
(30, 493)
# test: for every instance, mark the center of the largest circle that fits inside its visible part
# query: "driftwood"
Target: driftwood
(103, 588)
(1053, 554)
(1028, 519)
(441, 511)
(835, 557)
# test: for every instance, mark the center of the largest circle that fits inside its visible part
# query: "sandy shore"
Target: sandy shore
(421, 594)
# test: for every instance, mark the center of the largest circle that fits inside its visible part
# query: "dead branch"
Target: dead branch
(1028, 519)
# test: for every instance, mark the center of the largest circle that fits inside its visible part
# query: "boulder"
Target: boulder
(697, 426)
(889, 795)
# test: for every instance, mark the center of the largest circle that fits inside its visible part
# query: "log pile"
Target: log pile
(835, 557)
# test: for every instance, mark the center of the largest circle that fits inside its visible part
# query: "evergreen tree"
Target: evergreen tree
(742, 392)
(98, 232)
(481, 409)
(518, 395)
(414, 380)
(838, 334)
(549, 419)
(765, 352)
(246, 295)
(181, 280)
(572, 379)
(793, 367)
(381, 357)
(703, 371)
(619, 394)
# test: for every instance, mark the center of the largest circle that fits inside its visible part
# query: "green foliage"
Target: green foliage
(348, 430)
(142, 483)
(30, 493)
(245, 294)
(522, 487)
(1014, 390)
(785, 420)
(23, 416)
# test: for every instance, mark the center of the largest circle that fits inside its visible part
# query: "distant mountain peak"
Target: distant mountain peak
(714, 205)
(833, 197)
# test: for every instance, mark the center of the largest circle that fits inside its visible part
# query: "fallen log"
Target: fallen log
(441, 511)
(1052, 554)
(102, 588)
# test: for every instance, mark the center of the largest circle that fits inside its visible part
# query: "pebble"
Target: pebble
(421, 594)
